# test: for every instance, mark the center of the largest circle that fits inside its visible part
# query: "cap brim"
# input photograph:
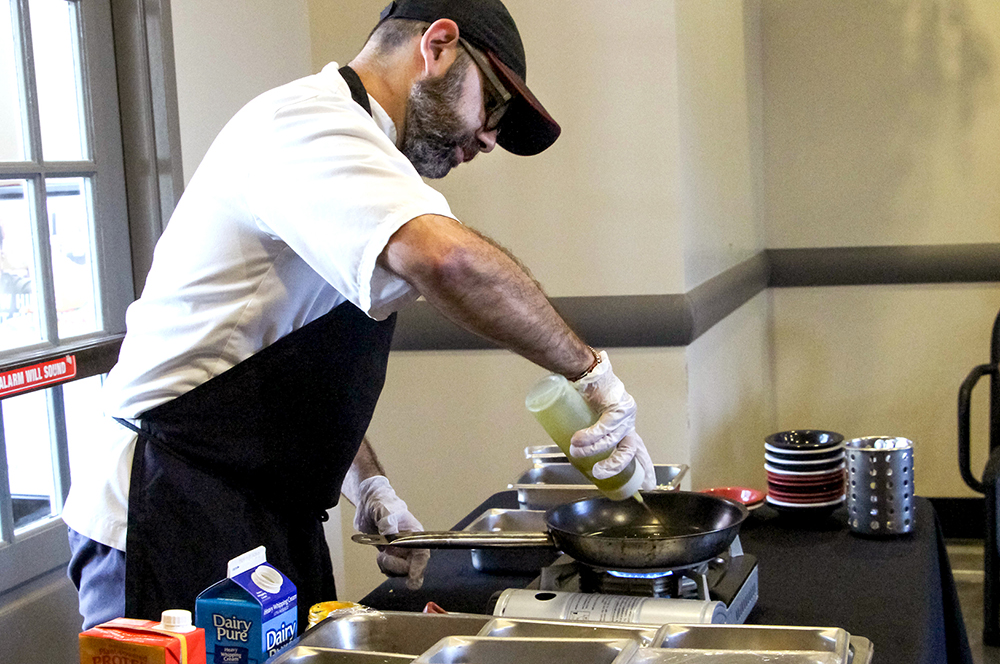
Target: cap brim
(526, 128)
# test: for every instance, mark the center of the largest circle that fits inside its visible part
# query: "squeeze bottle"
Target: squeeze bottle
(562, 411)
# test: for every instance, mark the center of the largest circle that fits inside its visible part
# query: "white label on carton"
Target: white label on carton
(248, 560)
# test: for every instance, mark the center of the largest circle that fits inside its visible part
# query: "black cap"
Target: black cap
(526, 127)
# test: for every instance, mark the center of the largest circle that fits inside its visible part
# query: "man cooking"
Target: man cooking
(255, 356)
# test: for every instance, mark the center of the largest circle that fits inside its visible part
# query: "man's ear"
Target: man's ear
(439, 47)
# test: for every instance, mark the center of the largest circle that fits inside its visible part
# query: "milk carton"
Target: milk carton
(250, 615)
(124, 641)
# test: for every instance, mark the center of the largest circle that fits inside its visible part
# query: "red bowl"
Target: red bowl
(806, 498)
(738, 494)
(819, 480)
(805, 491)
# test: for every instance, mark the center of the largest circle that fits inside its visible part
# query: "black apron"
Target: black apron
(253, 457)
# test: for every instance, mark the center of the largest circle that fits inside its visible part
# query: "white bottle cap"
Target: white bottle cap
(176, 620)
(267, 579)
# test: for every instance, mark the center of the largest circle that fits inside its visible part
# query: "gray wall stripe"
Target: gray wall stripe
(677, 320)
(723, 294)
(843, 266)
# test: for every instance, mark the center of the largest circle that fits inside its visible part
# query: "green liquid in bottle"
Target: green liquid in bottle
(562, 411)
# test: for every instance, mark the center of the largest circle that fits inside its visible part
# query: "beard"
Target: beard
(433, 128)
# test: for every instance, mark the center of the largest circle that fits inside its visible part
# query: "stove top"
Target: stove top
(730, 579)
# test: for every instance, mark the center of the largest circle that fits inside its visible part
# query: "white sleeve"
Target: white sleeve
(333, 187)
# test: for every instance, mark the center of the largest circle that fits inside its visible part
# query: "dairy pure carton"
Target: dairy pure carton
(250, 615)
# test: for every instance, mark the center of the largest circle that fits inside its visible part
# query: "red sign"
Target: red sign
(37, 375)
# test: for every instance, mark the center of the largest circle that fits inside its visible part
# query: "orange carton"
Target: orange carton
(128, 641)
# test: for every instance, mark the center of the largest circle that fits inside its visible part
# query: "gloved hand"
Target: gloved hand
(380, 511)
(615, 428)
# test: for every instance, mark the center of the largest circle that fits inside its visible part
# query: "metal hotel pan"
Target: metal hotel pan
(550, 484)
(672, 529)
(833, 641)
(504, 650)
(519, 628)
(396, 632)
(510, 561)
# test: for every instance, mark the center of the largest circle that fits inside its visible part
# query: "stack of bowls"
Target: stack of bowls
(805, 471)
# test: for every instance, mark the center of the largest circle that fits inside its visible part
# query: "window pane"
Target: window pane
(29, 457)
(11, 119)
(70, 225)
(18, 314)
(57, 75)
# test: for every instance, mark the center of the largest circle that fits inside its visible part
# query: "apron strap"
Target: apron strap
(358, 92)
(128, 425)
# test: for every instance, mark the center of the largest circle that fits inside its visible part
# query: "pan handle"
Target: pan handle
(457, 539)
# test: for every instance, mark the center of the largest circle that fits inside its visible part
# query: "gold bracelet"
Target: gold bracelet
(597, 360)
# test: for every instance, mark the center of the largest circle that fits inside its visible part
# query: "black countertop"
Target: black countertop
(898, 592)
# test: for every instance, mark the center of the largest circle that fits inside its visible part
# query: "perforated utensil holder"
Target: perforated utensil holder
(880, 486)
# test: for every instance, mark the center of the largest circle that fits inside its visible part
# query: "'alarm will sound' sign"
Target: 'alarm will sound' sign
(37, 375)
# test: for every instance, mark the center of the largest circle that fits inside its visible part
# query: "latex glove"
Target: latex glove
(615, 428)
(380, 511)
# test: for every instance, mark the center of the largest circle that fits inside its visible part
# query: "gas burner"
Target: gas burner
(730, 578)
(686, 582)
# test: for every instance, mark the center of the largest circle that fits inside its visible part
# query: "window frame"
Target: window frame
(128, 68)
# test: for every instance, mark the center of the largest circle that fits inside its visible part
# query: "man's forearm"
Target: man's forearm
(365, 465)
(479, 287)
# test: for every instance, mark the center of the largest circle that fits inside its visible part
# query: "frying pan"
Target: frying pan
(678, 529)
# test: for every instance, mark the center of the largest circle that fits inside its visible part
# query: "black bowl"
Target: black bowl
(804, 439)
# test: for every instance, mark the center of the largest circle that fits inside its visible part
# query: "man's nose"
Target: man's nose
(487, 140)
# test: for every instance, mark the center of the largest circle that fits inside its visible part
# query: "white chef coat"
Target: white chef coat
(283, 220)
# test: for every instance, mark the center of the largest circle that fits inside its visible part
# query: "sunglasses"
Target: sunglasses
(496, 98)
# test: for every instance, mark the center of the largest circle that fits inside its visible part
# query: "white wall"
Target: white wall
(718, 49)
(730, 402)
(887, 361)
(226, 53)
(882, 122)
(883, 128)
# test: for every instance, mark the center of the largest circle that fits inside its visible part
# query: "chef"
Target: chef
(255, 355)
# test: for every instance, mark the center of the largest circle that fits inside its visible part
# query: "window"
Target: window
(73, 248)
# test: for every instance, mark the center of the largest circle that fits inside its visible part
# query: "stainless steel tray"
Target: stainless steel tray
(511, 561)
(551, 484)
(399, 637)
(396, 632)
(306, 655)
(502, 650)
(560, 629)
(861, 651)
(685, 656)
(779, 643)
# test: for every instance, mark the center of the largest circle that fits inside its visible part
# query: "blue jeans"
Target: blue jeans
(98, 572)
